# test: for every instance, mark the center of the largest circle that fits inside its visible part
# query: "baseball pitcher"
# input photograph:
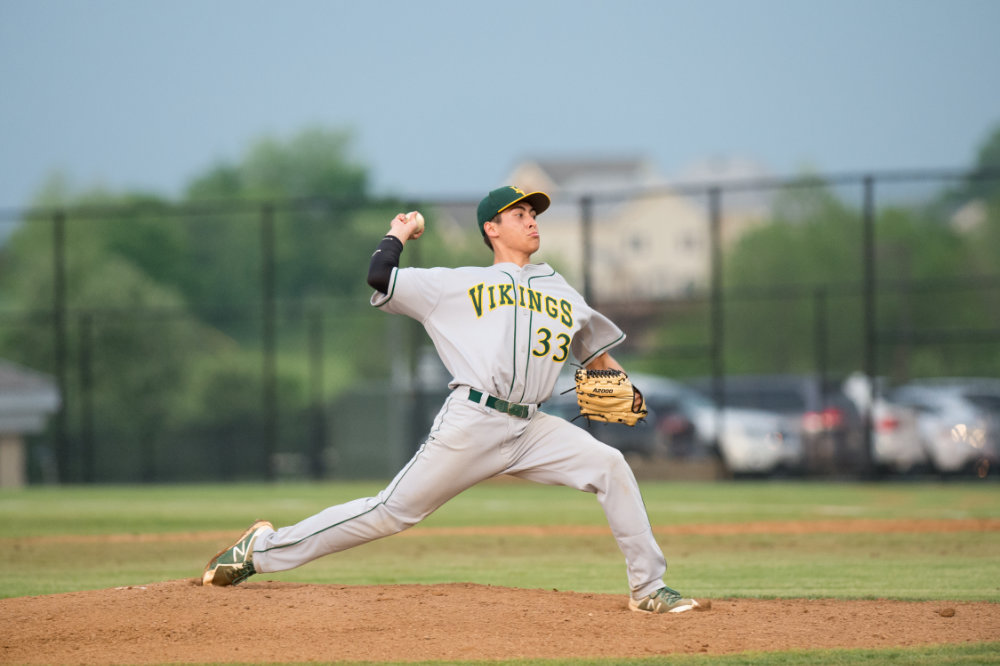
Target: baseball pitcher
(504, 332)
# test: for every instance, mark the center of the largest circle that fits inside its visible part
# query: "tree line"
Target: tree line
(170, 305)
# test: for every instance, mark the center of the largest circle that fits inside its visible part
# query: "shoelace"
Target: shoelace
(667, 594)
(603, 373)
(244, 572)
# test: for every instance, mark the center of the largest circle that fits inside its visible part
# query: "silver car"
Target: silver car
(787, 423)
(759, 442)
(958, 421)
(896, 441)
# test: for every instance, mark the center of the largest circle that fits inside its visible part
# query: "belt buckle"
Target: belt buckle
(512, 408)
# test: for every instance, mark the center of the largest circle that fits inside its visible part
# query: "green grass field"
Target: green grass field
(64, 539)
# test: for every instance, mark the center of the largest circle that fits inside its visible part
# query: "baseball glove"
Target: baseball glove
(608, 395)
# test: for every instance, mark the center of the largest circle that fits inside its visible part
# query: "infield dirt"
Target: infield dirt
(266, 621)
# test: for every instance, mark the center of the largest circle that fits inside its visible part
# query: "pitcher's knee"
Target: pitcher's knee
(613, 458)
(392, 520)
(608, 468)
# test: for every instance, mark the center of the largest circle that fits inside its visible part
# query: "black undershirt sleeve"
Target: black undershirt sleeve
(386, 258)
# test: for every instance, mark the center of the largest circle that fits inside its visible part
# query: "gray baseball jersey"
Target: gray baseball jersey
(504, 333)
(505, 329)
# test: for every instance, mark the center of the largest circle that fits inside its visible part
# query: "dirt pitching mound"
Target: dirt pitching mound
(261, 621)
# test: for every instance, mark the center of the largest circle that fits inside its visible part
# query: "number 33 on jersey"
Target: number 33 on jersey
(533, 306)
(560, 310)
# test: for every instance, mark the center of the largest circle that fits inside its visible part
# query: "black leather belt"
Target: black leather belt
(512, 408)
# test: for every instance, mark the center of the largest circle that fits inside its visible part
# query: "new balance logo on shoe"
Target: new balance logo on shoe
(234, 564)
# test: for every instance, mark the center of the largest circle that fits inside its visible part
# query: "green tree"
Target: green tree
(322, 239)
(783, 284)
(985, 238)
(794, 287)
(987, 162)
(128, 341)
(979, 191)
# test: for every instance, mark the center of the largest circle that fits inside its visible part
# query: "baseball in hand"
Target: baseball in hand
(420, 222)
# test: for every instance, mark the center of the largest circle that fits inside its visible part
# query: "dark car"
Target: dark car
(680, 422)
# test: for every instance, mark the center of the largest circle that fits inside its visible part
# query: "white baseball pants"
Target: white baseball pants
(469, 443)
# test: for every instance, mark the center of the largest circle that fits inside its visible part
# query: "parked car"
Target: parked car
(760, 442)
(795, 421)
(958, 420)
(680, 423)
(684, 419)
(896, 441)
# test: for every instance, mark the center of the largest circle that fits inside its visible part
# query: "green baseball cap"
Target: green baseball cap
(502, 198)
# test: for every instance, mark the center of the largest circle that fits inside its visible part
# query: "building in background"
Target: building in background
(650, 240)
(643, 245)
(27, 400)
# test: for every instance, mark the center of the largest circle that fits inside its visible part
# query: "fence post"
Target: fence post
(316, 459)
(820, 341)
(586, 228)
(87, 453)
(269, 338)
(60, 344)
(871, 352)
(717, 309)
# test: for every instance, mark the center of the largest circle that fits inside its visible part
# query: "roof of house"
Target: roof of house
(587, 174)
(27, 398)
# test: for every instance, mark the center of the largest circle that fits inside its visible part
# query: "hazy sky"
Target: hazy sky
(445, 96)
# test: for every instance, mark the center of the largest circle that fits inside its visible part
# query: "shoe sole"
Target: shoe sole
(209, 573)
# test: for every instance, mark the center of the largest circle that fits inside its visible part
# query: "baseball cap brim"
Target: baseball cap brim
(503, 198)
(539, 201)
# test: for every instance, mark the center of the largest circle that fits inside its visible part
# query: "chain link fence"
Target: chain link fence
(218, 342)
